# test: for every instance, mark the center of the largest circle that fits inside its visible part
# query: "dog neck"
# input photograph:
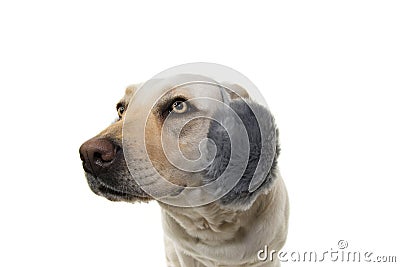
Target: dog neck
(209, 223)
(215, 228)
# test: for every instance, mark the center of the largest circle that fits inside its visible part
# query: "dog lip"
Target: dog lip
(105, 189)
(112, 191)
(108, 192)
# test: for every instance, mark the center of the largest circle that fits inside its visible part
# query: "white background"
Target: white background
(329, 71)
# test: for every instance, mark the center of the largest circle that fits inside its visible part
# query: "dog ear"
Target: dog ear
(262, 135)
(235, 91)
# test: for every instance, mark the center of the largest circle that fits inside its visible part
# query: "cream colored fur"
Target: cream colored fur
(213, 236)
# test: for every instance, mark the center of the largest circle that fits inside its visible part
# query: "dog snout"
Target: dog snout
(97, 154)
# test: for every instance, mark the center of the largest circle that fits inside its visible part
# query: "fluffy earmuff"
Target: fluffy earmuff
(259, 148)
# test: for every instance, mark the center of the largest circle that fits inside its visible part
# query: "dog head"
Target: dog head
(129, 162)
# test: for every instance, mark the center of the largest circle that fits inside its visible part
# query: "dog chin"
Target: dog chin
(113, 194)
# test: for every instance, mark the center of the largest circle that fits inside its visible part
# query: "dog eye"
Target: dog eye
(179, 107)
(120, 110)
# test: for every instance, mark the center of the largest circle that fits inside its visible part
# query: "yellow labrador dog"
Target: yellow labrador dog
(228, 231)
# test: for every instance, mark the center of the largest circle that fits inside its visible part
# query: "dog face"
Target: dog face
(104, 164)
(171, 136)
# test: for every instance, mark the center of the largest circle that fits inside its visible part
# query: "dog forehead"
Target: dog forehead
(194, 92)
(199, 93)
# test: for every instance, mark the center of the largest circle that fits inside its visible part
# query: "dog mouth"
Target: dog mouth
(114, 194)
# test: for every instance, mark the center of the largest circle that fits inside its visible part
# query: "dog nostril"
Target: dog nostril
(97, 157)
(106, 156)
(97, 154)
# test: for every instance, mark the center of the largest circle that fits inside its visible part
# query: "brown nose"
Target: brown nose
(97, 154)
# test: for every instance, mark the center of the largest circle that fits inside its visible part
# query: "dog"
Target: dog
(226, 231)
